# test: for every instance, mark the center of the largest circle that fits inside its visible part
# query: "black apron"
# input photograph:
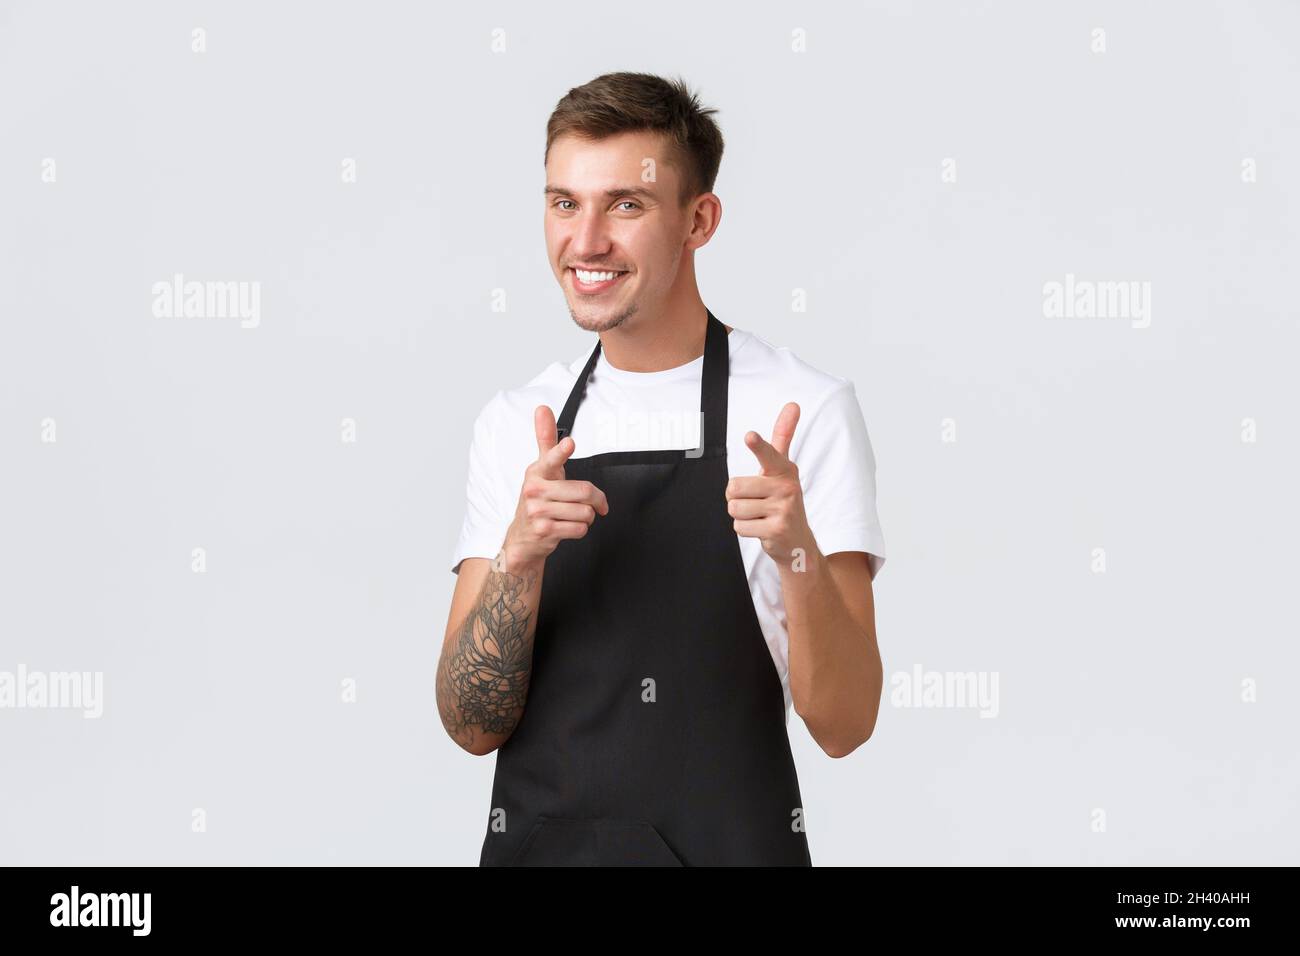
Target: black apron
(654, 729)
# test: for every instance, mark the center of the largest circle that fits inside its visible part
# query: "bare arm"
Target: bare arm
(836, 675)
(487, 653)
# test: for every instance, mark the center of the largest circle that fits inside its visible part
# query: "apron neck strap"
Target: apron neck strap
(713, 389)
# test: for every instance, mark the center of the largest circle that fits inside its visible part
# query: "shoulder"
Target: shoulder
(766, 376)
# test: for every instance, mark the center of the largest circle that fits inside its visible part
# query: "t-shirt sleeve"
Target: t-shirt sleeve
(489, 507)
(837, 470)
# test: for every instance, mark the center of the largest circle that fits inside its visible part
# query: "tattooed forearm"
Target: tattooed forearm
(484, 672)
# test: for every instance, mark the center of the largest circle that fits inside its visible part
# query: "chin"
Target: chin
(602, 321)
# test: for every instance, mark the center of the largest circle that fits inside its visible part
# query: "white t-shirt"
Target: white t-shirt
(636, 411)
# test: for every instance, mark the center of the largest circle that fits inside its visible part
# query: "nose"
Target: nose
(590, 239)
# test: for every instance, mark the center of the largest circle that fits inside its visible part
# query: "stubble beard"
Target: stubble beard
(605, 326)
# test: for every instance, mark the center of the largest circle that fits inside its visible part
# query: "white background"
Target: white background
(1119, 691)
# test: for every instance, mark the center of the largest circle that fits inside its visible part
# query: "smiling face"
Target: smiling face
(615, 242)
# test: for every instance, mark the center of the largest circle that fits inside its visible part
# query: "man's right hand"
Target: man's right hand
(551, 508)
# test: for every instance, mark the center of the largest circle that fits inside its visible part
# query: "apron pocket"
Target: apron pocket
(555, 841)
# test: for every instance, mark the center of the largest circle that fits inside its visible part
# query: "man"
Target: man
(631, 627)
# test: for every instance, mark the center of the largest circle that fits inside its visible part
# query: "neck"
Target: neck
(654, 342)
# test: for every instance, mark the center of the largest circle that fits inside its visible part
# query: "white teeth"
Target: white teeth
(590, 277)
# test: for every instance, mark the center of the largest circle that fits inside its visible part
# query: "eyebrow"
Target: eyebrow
(619, 193)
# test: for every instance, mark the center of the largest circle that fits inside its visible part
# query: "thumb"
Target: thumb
(550, 453)
(544, 427)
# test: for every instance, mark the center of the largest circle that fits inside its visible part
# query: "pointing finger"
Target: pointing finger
(770, 461)
(783, 430)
